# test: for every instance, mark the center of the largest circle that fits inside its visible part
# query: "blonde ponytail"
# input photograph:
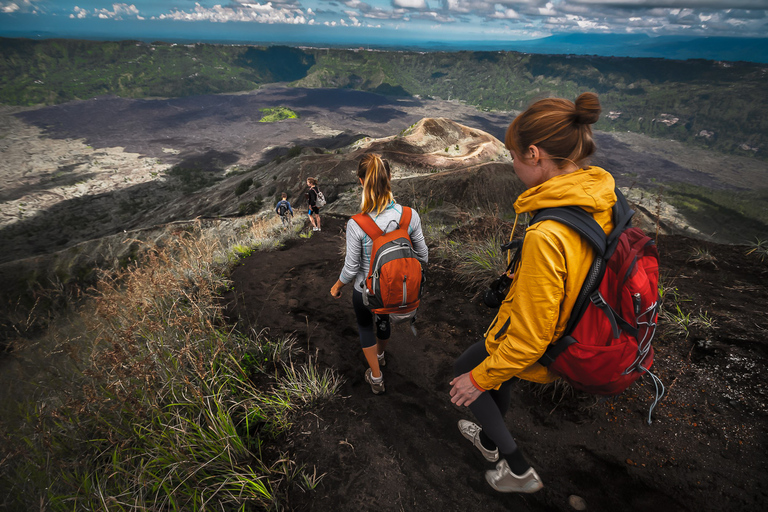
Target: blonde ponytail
(377, 193)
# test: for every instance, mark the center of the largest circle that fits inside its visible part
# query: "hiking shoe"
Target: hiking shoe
(472, 432)
(382, 360)
(377, 388)
(315, 229)
(504, 480)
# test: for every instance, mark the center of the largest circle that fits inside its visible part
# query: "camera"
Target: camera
(497, 291)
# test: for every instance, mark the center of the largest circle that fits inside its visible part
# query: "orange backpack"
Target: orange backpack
(394, 281)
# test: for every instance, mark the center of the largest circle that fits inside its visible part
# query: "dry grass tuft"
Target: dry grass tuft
(173, 409)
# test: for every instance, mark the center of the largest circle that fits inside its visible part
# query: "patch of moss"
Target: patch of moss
(271, 115)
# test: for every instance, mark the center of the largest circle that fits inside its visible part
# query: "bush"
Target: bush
(243, 186)
(250, 207)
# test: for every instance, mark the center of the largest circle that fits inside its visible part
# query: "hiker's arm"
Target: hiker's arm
(463, 390)
(417, 238)
(336, 289)
(533, 314)
(353, 259)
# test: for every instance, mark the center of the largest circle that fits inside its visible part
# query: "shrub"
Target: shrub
(243, 186)
(250, 207)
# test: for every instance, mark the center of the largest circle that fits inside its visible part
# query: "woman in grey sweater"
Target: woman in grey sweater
(377, 201)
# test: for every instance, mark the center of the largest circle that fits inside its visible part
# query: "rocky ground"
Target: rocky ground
(704, 450)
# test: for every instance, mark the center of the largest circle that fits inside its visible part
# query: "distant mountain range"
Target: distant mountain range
(631, 45)
(607, 45)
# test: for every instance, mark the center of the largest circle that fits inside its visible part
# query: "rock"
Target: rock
(577, 502)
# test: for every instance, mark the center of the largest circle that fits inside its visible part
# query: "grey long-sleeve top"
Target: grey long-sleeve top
(359, 245)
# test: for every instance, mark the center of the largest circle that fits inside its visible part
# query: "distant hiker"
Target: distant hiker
(284, 209)
(313, 198)
(378, 205)
(550, 143)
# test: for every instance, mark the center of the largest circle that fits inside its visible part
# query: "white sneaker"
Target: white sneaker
(472, 432)
(504, 480)
(382, 360)
(376, 387)
(315, 229)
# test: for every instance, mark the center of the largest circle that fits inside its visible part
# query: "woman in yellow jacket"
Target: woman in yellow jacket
(550, 143)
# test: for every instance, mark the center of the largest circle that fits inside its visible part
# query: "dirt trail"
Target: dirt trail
(402, 450)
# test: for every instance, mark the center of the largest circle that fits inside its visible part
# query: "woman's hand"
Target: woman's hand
(463, 391)
(336, 290)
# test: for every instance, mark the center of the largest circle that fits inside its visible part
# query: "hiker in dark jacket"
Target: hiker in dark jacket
(550, 142)
(283, 209)
(314, 209)
(377, 201)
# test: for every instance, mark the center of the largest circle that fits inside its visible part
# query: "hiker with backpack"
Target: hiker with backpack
(390, 236)
(283, 209)
(550, 143)
(316, 200)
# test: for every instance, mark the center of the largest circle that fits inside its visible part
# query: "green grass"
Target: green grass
(735, 217)
(170, 409)
(272, 115)
(477, 261)
(758, 248)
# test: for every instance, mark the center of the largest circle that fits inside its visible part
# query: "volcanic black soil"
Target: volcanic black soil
(704, 450)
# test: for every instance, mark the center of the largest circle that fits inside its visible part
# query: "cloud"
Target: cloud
(79, 13)
(269, 12)
(410, 4)
(681, 4)
(19, 6)
(117, 12)
(506, 14)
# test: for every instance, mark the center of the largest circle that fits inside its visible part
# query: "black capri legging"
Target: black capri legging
(365, 322)
(491, 406)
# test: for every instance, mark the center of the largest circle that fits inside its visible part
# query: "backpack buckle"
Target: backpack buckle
(598, 300)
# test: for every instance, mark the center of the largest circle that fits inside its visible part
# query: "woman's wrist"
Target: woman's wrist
(474, 383)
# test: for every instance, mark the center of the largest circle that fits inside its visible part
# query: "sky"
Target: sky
(382, 20)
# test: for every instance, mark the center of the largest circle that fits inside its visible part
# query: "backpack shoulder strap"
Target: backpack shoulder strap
(367, 224)
(578, 219)
(622, 219)
(405, 218)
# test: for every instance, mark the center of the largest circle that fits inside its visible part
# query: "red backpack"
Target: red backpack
(393, 285)
(606, 345)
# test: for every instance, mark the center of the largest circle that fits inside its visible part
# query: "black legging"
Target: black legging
(365, 322)
(491, 406)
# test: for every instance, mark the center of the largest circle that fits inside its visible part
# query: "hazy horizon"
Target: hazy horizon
(673, 29)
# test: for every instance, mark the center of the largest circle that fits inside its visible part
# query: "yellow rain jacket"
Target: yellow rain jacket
(554, 263)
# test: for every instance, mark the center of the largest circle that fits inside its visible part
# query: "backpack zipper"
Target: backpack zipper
(379, 256)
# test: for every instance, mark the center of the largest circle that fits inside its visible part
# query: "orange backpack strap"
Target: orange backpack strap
(367, 224)
(405, 218)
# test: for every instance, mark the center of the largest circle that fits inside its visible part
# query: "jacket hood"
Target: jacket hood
(591, 189)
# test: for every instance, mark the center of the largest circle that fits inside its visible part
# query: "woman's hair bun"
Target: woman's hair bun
(587, 108)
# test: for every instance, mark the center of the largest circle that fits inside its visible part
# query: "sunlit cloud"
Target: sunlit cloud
(19, 6)
(268, 12)
(410, 4)
(470, 18)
